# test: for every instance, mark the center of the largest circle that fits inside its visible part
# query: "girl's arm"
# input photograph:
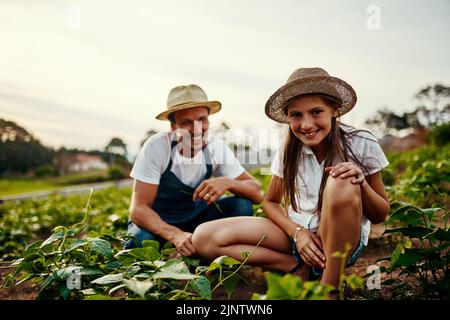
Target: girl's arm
(374, 198)
(273, 209)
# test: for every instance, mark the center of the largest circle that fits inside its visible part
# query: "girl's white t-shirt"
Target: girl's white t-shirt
(364, 146)
(155, 154)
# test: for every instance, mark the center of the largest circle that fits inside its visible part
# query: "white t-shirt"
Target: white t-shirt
(154, 157)
(310, 173)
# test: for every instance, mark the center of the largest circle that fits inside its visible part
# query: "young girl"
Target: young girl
(325, 191)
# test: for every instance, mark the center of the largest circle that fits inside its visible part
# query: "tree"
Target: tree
(433, 109)
(116, 145)
(20, 152)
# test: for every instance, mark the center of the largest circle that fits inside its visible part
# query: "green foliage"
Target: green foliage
(45, 171)
(422, 249)
(440, 135)
(30, 220)
(116, 172)
(20, 152)
(420, 176)
(290, 287)
(73, 263)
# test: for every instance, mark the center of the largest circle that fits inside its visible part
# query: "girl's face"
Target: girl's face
(310, 120)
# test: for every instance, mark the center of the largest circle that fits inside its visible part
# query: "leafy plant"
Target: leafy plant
(71, 266)
(423, 246)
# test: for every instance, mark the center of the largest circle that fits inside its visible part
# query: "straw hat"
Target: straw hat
(310, 80)
(186, 97)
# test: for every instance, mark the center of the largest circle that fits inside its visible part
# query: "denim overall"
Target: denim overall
(175, 206)
(174, 198)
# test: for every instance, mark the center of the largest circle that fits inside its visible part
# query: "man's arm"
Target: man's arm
(145, 217)
(243, 186)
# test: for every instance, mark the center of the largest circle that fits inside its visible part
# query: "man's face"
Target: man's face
(192, 125)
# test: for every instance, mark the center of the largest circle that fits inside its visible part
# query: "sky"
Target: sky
(77, 73)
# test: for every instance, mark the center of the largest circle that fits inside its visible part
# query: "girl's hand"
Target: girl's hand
(310, 248)
(345, 170)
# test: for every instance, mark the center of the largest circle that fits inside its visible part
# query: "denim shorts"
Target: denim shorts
(317, 271)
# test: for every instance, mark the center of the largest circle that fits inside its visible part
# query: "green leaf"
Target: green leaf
(408, 259)
(396, 254)
(101, 246)
(145, 254)
(222, 260)
(174, 275)
(285, 287)
(108, 279)
(89, 271)
(176, 266)
(113, 265)
(151, 243)
(66, 272)
(75, 244)
(54, 237)
(441, 234)
(354, 281)
(202, 286)
(138, 287)
(32, 248)
(230, 283)
(64, 291)
(174, 269)
(412, 232)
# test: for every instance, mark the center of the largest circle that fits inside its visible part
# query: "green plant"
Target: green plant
(116, 172)
(71, 264)
(422, 249)
(291, 287)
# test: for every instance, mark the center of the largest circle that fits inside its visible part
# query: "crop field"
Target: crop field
(71, 248)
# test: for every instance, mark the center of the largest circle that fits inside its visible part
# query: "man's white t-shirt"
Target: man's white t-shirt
(366, 149)
(155, 154)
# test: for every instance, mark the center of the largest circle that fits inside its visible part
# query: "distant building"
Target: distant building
(79, 162)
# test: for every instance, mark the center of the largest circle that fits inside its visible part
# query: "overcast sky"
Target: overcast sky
(76, 73)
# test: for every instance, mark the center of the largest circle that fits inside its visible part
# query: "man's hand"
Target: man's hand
(212, 189)
(183, 243)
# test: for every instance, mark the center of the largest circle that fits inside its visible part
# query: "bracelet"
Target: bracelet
(297, 230)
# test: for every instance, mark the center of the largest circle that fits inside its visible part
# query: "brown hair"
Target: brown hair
(337, 144)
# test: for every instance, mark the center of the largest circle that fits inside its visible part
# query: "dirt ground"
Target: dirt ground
(377, 248)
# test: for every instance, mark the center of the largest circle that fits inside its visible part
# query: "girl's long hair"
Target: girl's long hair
(338, 146)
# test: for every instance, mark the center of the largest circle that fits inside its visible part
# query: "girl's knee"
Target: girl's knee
(202, 238)
(342, 192)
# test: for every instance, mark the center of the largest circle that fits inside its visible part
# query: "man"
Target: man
(173, 189)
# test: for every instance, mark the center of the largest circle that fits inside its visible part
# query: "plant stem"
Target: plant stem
(240, 266)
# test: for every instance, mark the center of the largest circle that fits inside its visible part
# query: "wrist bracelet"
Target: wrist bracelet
(297, 230)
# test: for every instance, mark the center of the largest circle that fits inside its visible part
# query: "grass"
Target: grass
(12, 186)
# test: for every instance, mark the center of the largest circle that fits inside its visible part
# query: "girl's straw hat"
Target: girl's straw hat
(306, 81)
(186, 97)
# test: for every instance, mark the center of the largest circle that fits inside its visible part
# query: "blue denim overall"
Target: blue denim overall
(175, 206)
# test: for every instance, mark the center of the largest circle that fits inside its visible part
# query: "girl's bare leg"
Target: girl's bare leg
(232, 236)
(340, 222)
